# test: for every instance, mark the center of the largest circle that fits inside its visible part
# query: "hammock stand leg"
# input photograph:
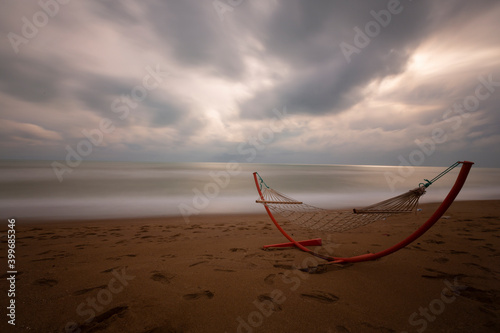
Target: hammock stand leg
(292, 241)
(462, 176)
(309, 242)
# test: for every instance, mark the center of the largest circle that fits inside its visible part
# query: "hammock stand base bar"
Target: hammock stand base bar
(461, 178)
(309, 242)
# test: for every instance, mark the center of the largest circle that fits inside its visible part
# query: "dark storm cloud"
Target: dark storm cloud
(31, 81)
(192, 32)
(98, 91)
(165, 113)
(28, 79)
(31, 76)
(104, 95)
(307, 36)
(120, 13)
(324, 90)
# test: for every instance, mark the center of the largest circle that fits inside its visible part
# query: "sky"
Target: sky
(308, 82)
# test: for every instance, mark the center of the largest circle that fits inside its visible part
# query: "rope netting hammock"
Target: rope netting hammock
(316, 218)
(312, 217)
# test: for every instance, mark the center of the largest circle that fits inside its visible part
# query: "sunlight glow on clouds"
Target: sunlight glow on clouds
(227, 74)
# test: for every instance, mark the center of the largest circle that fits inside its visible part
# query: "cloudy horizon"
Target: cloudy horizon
(306, 82)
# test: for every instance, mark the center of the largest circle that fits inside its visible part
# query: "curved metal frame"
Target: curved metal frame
(462, 176)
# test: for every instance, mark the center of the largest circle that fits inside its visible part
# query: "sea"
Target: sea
(36, 190)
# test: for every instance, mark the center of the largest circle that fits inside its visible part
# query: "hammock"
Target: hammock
(316, 218)
(337, 220)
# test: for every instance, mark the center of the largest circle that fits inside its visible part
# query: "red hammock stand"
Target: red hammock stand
(462, 176)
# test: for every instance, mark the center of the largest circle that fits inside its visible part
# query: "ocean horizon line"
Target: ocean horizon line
(234, 161)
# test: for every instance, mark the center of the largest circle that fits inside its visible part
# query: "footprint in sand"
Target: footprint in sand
(488, 230)
(458, 252)
(441, 275)
(487, 297)
(45, 282)
(282, 266)
(253, 255)
(198, 263)
(471, 264)
(26, 237)
(267, 297)
(43, 259)
(324, 268)
(224, 270)
(416, 247)
(100, 321)
(487, 248)
(321, 296)
(204, 294)
(168, 256)
(433, 241)
(270, 279)
(237, 249)
(441, 260)
(162, 278)
(84, 291)
(112, 269)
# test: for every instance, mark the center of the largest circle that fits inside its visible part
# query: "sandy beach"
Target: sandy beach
(212, 275)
